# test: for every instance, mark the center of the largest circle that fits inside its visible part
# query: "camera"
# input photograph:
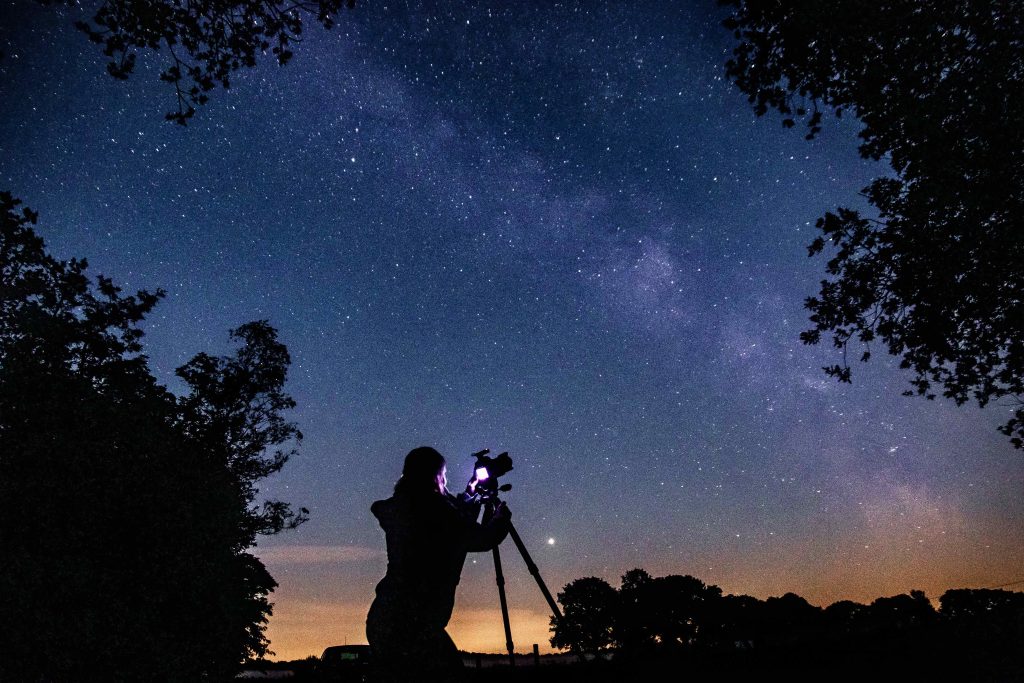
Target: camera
(487, 472)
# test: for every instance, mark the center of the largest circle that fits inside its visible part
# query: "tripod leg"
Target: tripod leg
(499, 578)
(533, 570)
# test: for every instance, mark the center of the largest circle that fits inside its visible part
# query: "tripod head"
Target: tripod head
(487, 470)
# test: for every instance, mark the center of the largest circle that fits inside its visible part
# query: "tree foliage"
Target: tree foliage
(647, 614)
(632, 629)
(127, 511)
(989, 624)
(588, 608)
(936, 275)
(206, 40)
(666, 622)
(678, 610)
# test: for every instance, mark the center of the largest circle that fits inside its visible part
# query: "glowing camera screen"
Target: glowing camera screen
(481, 473)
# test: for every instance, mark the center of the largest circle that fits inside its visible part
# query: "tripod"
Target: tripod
(499, 578)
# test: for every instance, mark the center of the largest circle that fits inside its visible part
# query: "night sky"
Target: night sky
(555, 230)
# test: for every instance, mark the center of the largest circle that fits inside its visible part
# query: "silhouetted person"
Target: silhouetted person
(429, 531)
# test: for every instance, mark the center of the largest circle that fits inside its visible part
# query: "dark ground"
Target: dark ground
(753, 668)
(792, 667)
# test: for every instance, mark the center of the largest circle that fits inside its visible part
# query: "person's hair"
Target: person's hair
(419, 474)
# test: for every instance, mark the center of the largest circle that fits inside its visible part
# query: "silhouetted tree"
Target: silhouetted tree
(939, 88)
(986, 629)
(206, 40)
(126, 511)
(987, 614)
(679, 609)
(792, 619)
(234, 413)
(632, 629)
(902, 612)
(738, 621)
(845, 619)
(588, 607)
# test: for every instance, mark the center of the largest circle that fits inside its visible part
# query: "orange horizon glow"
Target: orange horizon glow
(310, 616)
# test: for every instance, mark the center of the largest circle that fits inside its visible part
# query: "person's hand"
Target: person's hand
(471, 486)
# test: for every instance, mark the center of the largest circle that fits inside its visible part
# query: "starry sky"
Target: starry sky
(548, 228)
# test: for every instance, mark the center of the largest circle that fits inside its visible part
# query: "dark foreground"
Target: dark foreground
(758, 669)
(930, 664)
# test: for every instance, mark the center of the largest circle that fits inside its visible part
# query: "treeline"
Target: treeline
(662, 617)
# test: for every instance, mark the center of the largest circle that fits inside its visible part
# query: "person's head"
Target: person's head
(424, 472)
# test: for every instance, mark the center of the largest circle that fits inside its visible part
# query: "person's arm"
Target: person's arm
(467, 502)
(460, 524)
(491, 532)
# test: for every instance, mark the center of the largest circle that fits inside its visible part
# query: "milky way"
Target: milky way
(555, 230)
